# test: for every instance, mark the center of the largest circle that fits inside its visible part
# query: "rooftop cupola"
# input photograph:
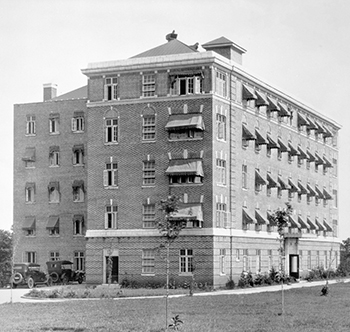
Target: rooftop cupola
(171, 36)
(226, 48)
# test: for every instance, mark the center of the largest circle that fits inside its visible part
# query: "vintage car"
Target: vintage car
(62, 272)
(29, 274)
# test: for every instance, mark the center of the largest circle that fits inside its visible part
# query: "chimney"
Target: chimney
(226, 48)
(171, 36)
(50, 91)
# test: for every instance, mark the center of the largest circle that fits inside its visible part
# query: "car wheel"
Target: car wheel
(65, 280)
(17, 278)
(54, 276)
(30, 282)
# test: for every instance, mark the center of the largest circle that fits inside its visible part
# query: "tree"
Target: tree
(344, 265)
(170, 229)
(5, 257)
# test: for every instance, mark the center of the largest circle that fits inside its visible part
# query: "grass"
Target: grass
(305, 311)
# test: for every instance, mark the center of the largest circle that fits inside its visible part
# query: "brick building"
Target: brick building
(91, 166)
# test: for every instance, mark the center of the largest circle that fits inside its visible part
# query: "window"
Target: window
(78, 225)
(54, 194)
(78, 155)
(30, 193)
(335, 227)
(185, 179)
(335, 198)
(221, 126)
(54, 122)
(244, 177)
(325, 259)
(54, 231)
(30, 126)
(148, 127)
(148, 259)
(238, 255)
(78, 122)
(79, 260)
(148, 85)
(186, 261)
(110, 175)
(317, 258)
(54, 256)
(258, 260)
(335, 167)
(29, 257)
(270, 259)
(221, 84)
(111, 217)
(149, 215)
(222, 261)
(54, 156)
(111, 130)
(185, 85)
(111, 91)
(221, 215)
(301, 260)
(245, 260)
(78, 191)
(221, 170)
(149, 173)
(309, 259)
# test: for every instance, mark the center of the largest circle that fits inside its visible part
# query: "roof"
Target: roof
(223, 41)
(79, 93)
(172, 47)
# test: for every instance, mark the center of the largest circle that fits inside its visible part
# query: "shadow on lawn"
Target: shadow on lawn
(62, 329)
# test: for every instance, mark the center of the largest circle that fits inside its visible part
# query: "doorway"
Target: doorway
(294, 266)
(112, 268)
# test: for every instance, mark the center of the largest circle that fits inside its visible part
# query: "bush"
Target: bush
(230, 284)
(246, 280)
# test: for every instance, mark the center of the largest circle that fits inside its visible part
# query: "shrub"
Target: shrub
(245, 280)
(230, 284)
(37, 293)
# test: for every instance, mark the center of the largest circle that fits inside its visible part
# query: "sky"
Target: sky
(301, 47)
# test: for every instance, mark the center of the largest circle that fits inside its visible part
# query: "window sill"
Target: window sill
(78, 132)
(184, 274)
(78, 165)
(148, 274)
(78, 201)
(30, 236)
(30, 203)
(54, 202)
(221, 185)
(150, 186)
(111, 143)
(33, 167)
(111, 187)
(78, 235)
(185, 184)
(30, 135)
(221, 140)
(148, 141)
(54, 166)
(55, 133)
(54, 235)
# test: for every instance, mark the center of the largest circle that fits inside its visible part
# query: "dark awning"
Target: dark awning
(293, 223)
(327, 133)
(293, 186)
(303, 189)
(30, 185)
(302, 223)
(246, 134)
(52, 222)
(53, 185)
(293, 150)
(302, 121)
(260, 139)
(187, 73)
(185, 121)
(312, 123)
(311, 190)
(272, 183)
(259, 179)
(78, 148)
(29, 154)
(284, 111)
(283, 184)
(78, 184)
(283, 146)
(188, 212)
(326, 194)
(327, 162)
(185, 167)
(261, 220)
(319, 159)
(262, 99)
(29, 223)
(272, 143)
(320, 128)
(78, 217)
(310, 156)
(271, 219)
(273, 105)
(78, 114)
(303, 154)
(246, 218)
(54, 148)
(329, 228)
(319, 192)
(248, 93)
(311, 223)
(54, 115)
(321, 227)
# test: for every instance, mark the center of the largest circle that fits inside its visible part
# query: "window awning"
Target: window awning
(185, 167)
(185, 121)
(273, 105)
(78, 114)
(320, 128)
(329, 228)
(293, 186)
(272, 143)
(78, 217)
(53, 185)
(302, 121)
(54, 148)
(327, 133)
(321, 227)
(293, 151)
(188, 212)
(326, 194)
(302, 223)
(261, 99)
(319, 159)
(303, 189)
(259, 179)
(54, 115)
(327, 162)
(311, 190)
(310, 156)
(319, 192)
(30, 185)
(283, 184)
(272, 221)
(311, 223)
(283, 147)
(272, 183)
(260, 139)
(29, 223)
(261, 220)
(29, 154)
(248, 93)
(303, 154)
(52, 222)
(294, 223)
(78, 184)
(246, 218)
(246, 134)
(78, 148)
(284, 111)
(187, 73)
(312, 124)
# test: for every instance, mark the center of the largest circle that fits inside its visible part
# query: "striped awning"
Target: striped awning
(311, 190)
(319, 159)
(260, 139)
(246, 218)
(261, 220)
(248, 93)
(312, 124)
(259, 179)
(247, 134)
(283, 184)
(327, 162)
(185, 121)
(29, 223)
(272, 183)
(293, 186)
(273, 105)
(188, 212)
(294, 223)
(319, 192)
(320, 225)
(311, 223)
(302, 223)
(284, 111)
(303, 189)
(52, 222)
(272, 144)
(283, 146)
(293, 151)
(185, 167)
(329, 228)
(261, 99)
(326, 194)
(310, 156)
(303, 154)
(302, 120)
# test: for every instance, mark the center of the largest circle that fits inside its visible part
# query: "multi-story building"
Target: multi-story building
(174, 120)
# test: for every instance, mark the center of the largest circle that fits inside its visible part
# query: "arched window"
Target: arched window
(111, 126)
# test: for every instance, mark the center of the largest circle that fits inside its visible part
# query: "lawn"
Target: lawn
(305, 311)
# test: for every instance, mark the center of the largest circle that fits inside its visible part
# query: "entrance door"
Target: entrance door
(294, 266)
(112, 268)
